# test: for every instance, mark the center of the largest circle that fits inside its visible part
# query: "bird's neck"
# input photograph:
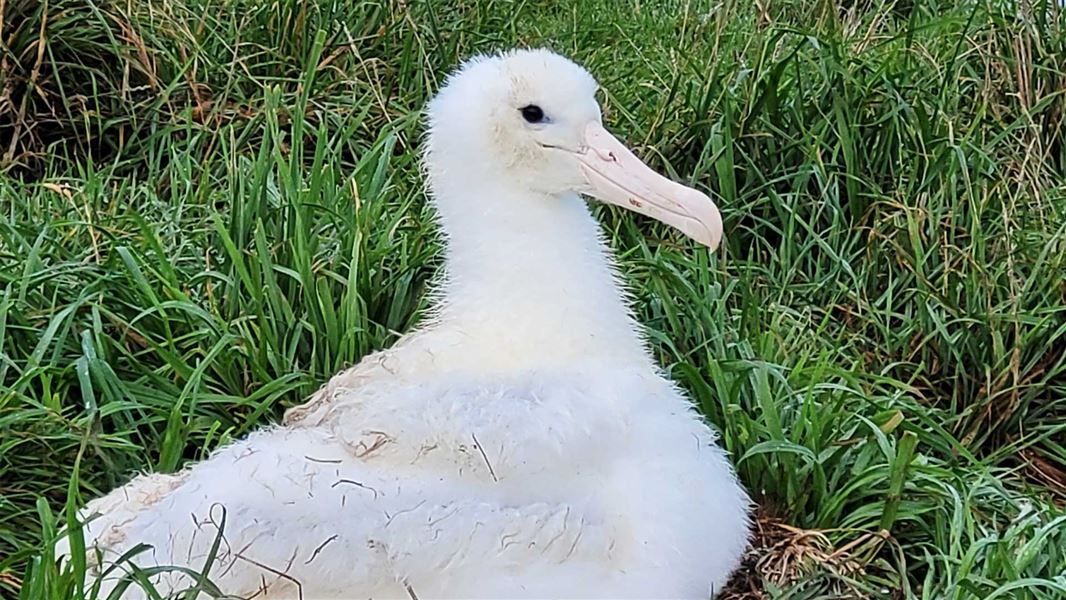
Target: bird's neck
(528, 276)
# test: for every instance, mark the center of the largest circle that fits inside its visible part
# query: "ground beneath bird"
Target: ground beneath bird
(804, 560)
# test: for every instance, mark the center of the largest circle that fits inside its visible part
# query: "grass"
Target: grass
(210, 206)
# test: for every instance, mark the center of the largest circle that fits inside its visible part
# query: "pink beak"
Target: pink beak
(617, 176)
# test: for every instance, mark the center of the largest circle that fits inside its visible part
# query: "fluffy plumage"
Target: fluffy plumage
(521, 444)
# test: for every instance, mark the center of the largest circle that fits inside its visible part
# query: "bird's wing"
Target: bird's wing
(413, 355)
(403, 480)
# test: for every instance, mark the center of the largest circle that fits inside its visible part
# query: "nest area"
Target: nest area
(93, 79)
(76, 80)
(72, 75)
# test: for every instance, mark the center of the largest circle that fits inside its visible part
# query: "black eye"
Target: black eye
(532, 113)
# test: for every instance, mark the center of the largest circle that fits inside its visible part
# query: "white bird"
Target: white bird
(522, 444)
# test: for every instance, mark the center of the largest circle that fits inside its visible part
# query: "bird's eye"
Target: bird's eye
(532, 113)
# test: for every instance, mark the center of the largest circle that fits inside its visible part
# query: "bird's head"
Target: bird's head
(530, 119)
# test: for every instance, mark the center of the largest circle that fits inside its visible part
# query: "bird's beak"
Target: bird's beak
(617, 176)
